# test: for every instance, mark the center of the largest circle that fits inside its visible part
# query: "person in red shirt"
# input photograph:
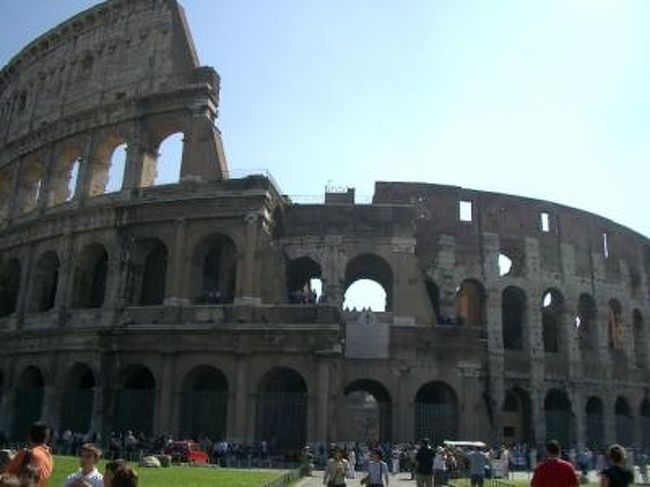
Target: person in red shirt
(554, 472)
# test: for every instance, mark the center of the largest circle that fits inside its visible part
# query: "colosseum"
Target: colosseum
(187, 307)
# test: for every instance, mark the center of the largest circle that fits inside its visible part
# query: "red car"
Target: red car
(186, 452)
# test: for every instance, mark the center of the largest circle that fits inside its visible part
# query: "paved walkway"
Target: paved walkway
(399, 480)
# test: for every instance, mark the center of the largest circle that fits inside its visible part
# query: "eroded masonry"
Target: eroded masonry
(186, 308)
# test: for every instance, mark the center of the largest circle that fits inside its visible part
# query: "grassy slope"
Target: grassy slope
(176, 476)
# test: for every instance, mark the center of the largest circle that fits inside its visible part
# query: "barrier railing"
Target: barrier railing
(286, 480)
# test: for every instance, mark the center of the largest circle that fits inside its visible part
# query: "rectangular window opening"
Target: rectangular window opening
(465, 211)
(544, 220)
(605, 245)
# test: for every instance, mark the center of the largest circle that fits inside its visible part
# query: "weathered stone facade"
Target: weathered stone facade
(166, 308)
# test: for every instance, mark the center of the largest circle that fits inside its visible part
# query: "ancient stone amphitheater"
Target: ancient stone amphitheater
(171, 308)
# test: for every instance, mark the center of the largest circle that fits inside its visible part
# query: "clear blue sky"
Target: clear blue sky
(547, 99)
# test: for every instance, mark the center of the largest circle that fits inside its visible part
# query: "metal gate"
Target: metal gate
(595, 431)
(282, 419)
(205, 413)
(134, 410)
(438, 422)
(77, 410)
(27, 409)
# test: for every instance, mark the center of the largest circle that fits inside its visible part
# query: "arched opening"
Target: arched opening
(505, 265)
(71, 178)
(168, 162)
(517, 417)
(31, 183)
(558, 417)
(552, 320)
(44, 283)
(304, 281)
(367, 414)
(513, 316)
(368, 283)
(135, 400)
(434, 298)
(9, 286)
(282, 409)
(215, 260)
(624, 422)
(640, 343)
(511, 259)
(90, 277)
(644, 412)
(595, 423)
(78, 399)
(117, 165)
(204, 403)
(436, 413)
(470, 303)
(586, 323)
(615, 330)
(28, 405)
(147, 273)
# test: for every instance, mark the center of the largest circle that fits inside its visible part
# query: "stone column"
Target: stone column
(322, 399)
(609, 419)
(239, 416)
(140, 166)
(578, 406)
(16, 198)
(52, 405)
(471, 401)
(22, 305)
(65, 282)
(84, 176)
(248, 286)
(334, 270)
(97, 418)
(177, 288)
(165, 387)
(203, 157)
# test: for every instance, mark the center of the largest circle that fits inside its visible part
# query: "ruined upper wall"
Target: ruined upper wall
(113, 51)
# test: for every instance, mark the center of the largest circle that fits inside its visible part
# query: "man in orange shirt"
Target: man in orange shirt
(39, 465)
(554, 472)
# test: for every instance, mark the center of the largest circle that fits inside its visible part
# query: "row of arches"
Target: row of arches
(105, 168)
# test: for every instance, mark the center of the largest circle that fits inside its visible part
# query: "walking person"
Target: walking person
(377, 470)
(336, 470)
(617, 474)
(553, 471)
(477, 463)
(424, 464)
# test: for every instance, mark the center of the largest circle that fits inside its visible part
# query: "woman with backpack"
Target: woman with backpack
(377, 471)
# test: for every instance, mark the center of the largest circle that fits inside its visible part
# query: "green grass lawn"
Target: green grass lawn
(176, 476)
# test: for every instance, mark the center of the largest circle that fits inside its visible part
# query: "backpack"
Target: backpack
(27, 471)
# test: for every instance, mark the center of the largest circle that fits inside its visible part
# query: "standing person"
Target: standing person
(554, 472)
(424, 464)
(35, 462)
(439, 467)
(377, 470)
(336, 469)
(617, 474)
(88, 460)
(118, 473)
(477, 463)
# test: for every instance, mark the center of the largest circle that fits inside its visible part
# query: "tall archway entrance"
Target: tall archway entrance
(436, 412)
(29, 402)
(135, 400)
(367, 412)
(78, 399)
(204, 409)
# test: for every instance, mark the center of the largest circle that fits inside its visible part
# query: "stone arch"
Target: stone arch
(470, 303)
(204, 403)
(615, 329)
(109, 164)
(558, 417)
(644, 414)
(282, 409)
(45, 280)
(215, 260)
(9, 286)
(552, 309)
(135, 399)
(624, 422)
(169, 158)
(147, 273)
(514, 319)
(586, 323)
(65, 172)
(367, 412)
(594, 423)
(90, 277)
(30, 184)
(374, 268)
(436, 412)
(434, 298)
(79, 391)
(517, 417)
(640, 343)
(28, 406)
(300, 273)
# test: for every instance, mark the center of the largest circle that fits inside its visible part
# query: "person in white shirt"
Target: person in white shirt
(377, 470)
(88, 473)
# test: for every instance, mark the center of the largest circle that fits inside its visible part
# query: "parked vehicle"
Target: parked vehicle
(186, 452)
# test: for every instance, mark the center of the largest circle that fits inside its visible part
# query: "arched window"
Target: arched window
(147, 272)
(616, 332)
(368, 283)
(282, 409)
(9, 286)
(204, 403)
(559, 417)
(72, 177)
(304, 283)
(28, 404)
(90, 277)
(586, 323)
(135, 400)
(31, 182)
(168, 162)
(513, 315)
(552, 319)
(45, 282)
(368, 412)
(436, 412)
(78, 399)
(117, 165)
(470, 303)
(215, 260)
